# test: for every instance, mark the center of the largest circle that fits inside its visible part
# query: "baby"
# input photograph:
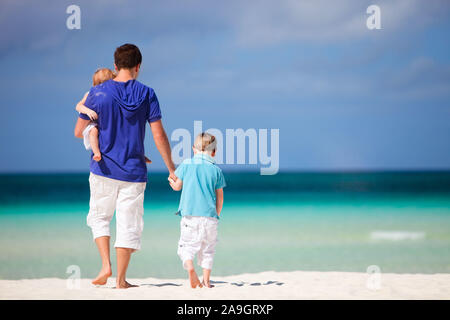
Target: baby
(90, 134)
(200, 206)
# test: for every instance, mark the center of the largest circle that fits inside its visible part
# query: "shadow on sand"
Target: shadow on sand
(167, 284)
(215, 283)
(241, 283)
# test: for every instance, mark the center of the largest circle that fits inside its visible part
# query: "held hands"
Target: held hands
(172, 176)
(174, 182)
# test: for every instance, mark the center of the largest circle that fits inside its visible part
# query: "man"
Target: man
(118, 180)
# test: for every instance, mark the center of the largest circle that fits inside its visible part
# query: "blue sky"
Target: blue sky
(344, 97)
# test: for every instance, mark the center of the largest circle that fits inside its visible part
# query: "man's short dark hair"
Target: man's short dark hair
(127, 56)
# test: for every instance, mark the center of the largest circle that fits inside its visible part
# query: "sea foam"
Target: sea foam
(396, 235)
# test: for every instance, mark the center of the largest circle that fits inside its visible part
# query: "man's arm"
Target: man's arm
(83, 119)
(80, 126)
(81, 108)
(163, 146)
(219, 200)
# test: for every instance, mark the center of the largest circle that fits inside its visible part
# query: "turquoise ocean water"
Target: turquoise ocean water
(399, 221)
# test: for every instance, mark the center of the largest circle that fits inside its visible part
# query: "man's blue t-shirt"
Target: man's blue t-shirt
(201, 178)
(123, 110)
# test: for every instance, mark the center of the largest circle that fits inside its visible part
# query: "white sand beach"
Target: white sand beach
(265, 285)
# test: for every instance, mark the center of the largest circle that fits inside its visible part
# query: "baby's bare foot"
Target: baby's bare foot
(193, 279)
(97, 157)
(125, 285)
(103, 276)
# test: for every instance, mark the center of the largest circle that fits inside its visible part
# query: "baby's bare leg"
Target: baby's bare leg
(93, 140)
(206, 274)
(193, 278)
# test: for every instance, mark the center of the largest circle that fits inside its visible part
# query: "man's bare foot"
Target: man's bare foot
(193, 279)
(103, 276)
(97, 157)
(207, 284)
(125, 285)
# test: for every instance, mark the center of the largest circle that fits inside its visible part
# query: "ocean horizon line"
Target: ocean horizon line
(252, 171)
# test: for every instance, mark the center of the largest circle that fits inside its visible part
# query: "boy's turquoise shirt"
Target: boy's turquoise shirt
(201, 177)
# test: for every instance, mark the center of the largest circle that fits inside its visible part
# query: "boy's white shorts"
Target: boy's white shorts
(127, 199)
(198, 236)
(87, 142)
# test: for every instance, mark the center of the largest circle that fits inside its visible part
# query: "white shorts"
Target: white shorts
(198, 236)
(127, 199)
(87, 142)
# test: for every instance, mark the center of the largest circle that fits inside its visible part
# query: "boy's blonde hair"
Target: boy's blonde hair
(205, 142)
(101, 75)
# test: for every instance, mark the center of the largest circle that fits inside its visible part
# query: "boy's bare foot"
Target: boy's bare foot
(207, 284)
(97, 157)
(103, 276)
(125, 285)
(193, 279)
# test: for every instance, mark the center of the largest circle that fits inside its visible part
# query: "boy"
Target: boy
(200, 206)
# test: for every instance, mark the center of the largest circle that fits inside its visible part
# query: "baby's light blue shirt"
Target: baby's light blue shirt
(201, 177)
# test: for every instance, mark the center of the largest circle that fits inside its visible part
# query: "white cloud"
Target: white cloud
(272, 22)
(421, 78)
(174, 36)
(38, 24)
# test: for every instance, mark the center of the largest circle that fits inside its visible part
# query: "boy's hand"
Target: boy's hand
(172, 175)
(171, 182)
(175, 184)
(92, 115)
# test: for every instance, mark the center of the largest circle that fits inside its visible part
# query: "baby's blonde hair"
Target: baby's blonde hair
(205, 142)
(101, 75)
